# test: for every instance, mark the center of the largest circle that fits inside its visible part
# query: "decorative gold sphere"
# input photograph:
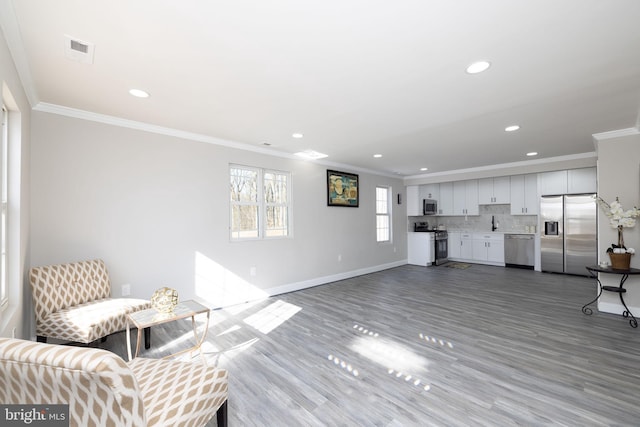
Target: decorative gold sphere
(164, 299)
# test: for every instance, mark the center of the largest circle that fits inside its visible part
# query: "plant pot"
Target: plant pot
(620, 261)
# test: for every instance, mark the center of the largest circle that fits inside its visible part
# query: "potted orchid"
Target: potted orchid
(619, 218)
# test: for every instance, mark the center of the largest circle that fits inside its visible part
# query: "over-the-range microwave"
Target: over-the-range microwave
(429, 207)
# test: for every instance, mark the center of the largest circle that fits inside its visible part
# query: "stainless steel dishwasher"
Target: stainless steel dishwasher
(519, 250)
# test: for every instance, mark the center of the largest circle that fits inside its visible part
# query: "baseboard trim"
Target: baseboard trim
(298, 286)
(305, 284)
(616, 308)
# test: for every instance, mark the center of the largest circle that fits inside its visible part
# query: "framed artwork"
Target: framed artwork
(342, 189)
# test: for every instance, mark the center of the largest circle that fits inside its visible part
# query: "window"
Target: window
(3, 217)
(260, 203)
(383, 214)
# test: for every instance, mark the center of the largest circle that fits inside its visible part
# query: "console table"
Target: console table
(620, 290)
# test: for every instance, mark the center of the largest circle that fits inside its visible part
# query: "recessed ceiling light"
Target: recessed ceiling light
(511, 128)
(377, 156)
(533, 153)
(478, 67)
(138, 93)
(424, 169)
(297, 135)
(311, 155)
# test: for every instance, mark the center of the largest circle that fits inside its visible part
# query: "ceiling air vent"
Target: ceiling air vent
(78, 50)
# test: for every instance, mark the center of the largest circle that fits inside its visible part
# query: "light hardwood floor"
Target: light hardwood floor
(415, 346)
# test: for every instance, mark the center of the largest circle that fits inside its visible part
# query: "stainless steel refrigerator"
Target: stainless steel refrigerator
(568, 235)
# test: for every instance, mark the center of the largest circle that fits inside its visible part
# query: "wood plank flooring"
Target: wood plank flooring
(415, 346)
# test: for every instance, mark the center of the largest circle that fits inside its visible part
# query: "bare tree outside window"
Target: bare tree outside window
(260, 205)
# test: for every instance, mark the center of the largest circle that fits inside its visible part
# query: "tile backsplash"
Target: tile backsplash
(482, 222)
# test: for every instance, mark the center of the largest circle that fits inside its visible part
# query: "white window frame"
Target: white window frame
(383, 215)
(4, 281)
(262, 206)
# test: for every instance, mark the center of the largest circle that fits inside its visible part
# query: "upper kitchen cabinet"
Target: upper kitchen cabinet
(445, 203)
(524, 194)
(465, 197)
(430, 191)
(553, 183)
(573, 181)
(414, 202)
(494, 191)
(581, 181)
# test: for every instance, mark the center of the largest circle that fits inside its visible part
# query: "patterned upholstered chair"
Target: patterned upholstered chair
(102, 390)
(73, 302)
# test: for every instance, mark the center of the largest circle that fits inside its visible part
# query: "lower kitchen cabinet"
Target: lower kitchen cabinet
(466, 246)
(460, 246)
(454, 245)
(421, 248)
(488, 248)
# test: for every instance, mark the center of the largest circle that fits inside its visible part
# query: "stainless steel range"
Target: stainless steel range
(442, 247)
(441, 237)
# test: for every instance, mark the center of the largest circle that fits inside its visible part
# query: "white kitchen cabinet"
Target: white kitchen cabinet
(466, 246)
(581, 181)
(553, 183)
(414, 203)
(573, 181)
(445, 203)
(430, 191)
(524, 194)
(488, 248)
(421, 248)
(465, 197)
(454, 245)
(494, 191)
(495, 250)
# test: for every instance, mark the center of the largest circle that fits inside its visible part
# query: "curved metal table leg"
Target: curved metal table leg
(585, 308)
(626, 313)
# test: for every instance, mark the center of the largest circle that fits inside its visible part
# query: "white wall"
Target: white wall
(156, 209)
(16, 315)
(619, 176)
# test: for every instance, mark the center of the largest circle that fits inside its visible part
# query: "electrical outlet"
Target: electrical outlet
(252, 271)
(339, 257)
(13, 333)
(126, 290)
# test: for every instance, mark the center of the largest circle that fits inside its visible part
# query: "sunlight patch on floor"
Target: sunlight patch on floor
(230, 330)
(272, 316)
(389, 354)
(230, 353)
(174, 344)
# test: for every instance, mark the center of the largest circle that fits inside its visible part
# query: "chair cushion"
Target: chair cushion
(99, 386)
(179, 393)
(89, 321)
(54, 287)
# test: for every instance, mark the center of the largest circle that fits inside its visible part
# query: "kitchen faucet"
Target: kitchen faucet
(494, 224)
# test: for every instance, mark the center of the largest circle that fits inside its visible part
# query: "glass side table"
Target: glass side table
(151, 317)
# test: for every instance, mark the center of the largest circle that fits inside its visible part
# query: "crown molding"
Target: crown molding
(615, 134)
(519, 164)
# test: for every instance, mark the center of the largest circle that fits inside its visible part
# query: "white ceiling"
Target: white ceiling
(356, 77)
